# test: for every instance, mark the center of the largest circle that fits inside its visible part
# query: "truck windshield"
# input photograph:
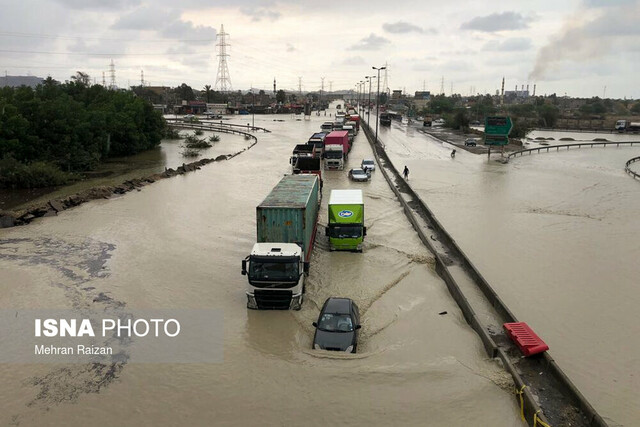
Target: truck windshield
(264, 271)
(333, 154)
(340, 231)
(335, 323)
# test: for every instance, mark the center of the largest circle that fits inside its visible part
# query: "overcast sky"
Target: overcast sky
(575, 47)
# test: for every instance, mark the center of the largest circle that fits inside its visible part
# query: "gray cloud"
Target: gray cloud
(607, 3)
(167, 24)
(515, 44)
(353, 60)
(99, 4)
(144, 18)
(401, 27)
(258, 13)
(590, 40)
(185, 30)
(496, 22)
(372, 42)
(457, 65)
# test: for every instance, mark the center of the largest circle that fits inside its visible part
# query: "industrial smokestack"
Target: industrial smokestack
(527, 87)
(534, 89)
(502, 92)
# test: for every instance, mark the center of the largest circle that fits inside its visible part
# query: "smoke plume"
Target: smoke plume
(597, 30)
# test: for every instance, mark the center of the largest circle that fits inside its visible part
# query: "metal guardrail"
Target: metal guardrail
(628, 169)
(579, 130)
(546, 148)
(221, 127)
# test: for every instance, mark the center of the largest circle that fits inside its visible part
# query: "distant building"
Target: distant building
(17, 81)
(396, 94)
(217, 108)
(190, 107)
(423, 95)
(516, 93)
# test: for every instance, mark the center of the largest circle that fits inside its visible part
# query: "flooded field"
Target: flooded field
(178, 244)
(118, 169)
(557, 236)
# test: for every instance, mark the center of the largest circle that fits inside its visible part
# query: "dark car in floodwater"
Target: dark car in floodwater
(337, 326)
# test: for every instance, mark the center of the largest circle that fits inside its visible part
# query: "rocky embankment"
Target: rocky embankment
(52, 207)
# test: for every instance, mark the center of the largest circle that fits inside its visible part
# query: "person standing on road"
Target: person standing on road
(405, 172)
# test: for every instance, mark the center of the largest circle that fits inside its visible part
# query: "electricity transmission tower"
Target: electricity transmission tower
(385, 85)
(223, 81)
(112, 76)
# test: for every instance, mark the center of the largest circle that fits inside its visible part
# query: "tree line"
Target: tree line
(51, 133)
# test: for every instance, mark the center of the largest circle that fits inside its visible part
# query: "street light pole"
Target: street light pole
(253, 110)
(369, 99)
(378, 101)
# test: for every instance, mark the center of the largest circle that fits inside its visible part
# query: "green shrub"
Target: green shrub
(14, 174)
(190, 152)
(171, 133)
(193, 141)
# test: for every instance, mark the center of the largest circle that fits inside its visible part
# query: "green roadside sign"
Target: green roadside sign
(496, 130)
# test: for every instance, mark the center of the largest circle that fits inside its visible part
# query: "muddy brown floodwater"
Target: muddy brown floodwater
(557, 235)
(178, 244)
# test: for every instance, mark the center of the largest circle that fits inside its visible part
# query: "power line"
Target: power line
(54, 36)
(92, 53)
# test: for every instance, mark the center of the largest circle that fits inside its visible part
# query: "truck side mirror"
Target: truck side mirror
(326, 231)
(244, 267)
(358, 326)
(305, 268)
(315, 324)
(364, 231)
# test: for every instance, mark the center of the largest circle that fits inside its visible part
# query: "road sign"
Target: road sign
(496, 130)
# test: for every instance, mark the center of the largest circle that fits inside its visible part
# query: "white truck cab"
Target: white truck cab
(276, 275)
(334, 157)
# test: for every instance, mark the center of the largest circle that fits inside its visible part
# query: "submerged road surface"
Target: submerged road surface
(178, 244)
(557, 235)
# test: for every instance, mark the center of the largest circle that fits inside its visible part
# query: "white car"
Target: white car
(368, 164)
(359, 175)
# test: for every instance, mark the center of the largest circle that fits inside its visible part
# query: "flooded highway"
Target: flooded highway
(178, 244)
(557, 236)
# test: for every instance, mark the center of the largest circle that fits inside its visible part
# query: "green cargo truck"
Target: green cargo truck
(286, 223)
(346, 228)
